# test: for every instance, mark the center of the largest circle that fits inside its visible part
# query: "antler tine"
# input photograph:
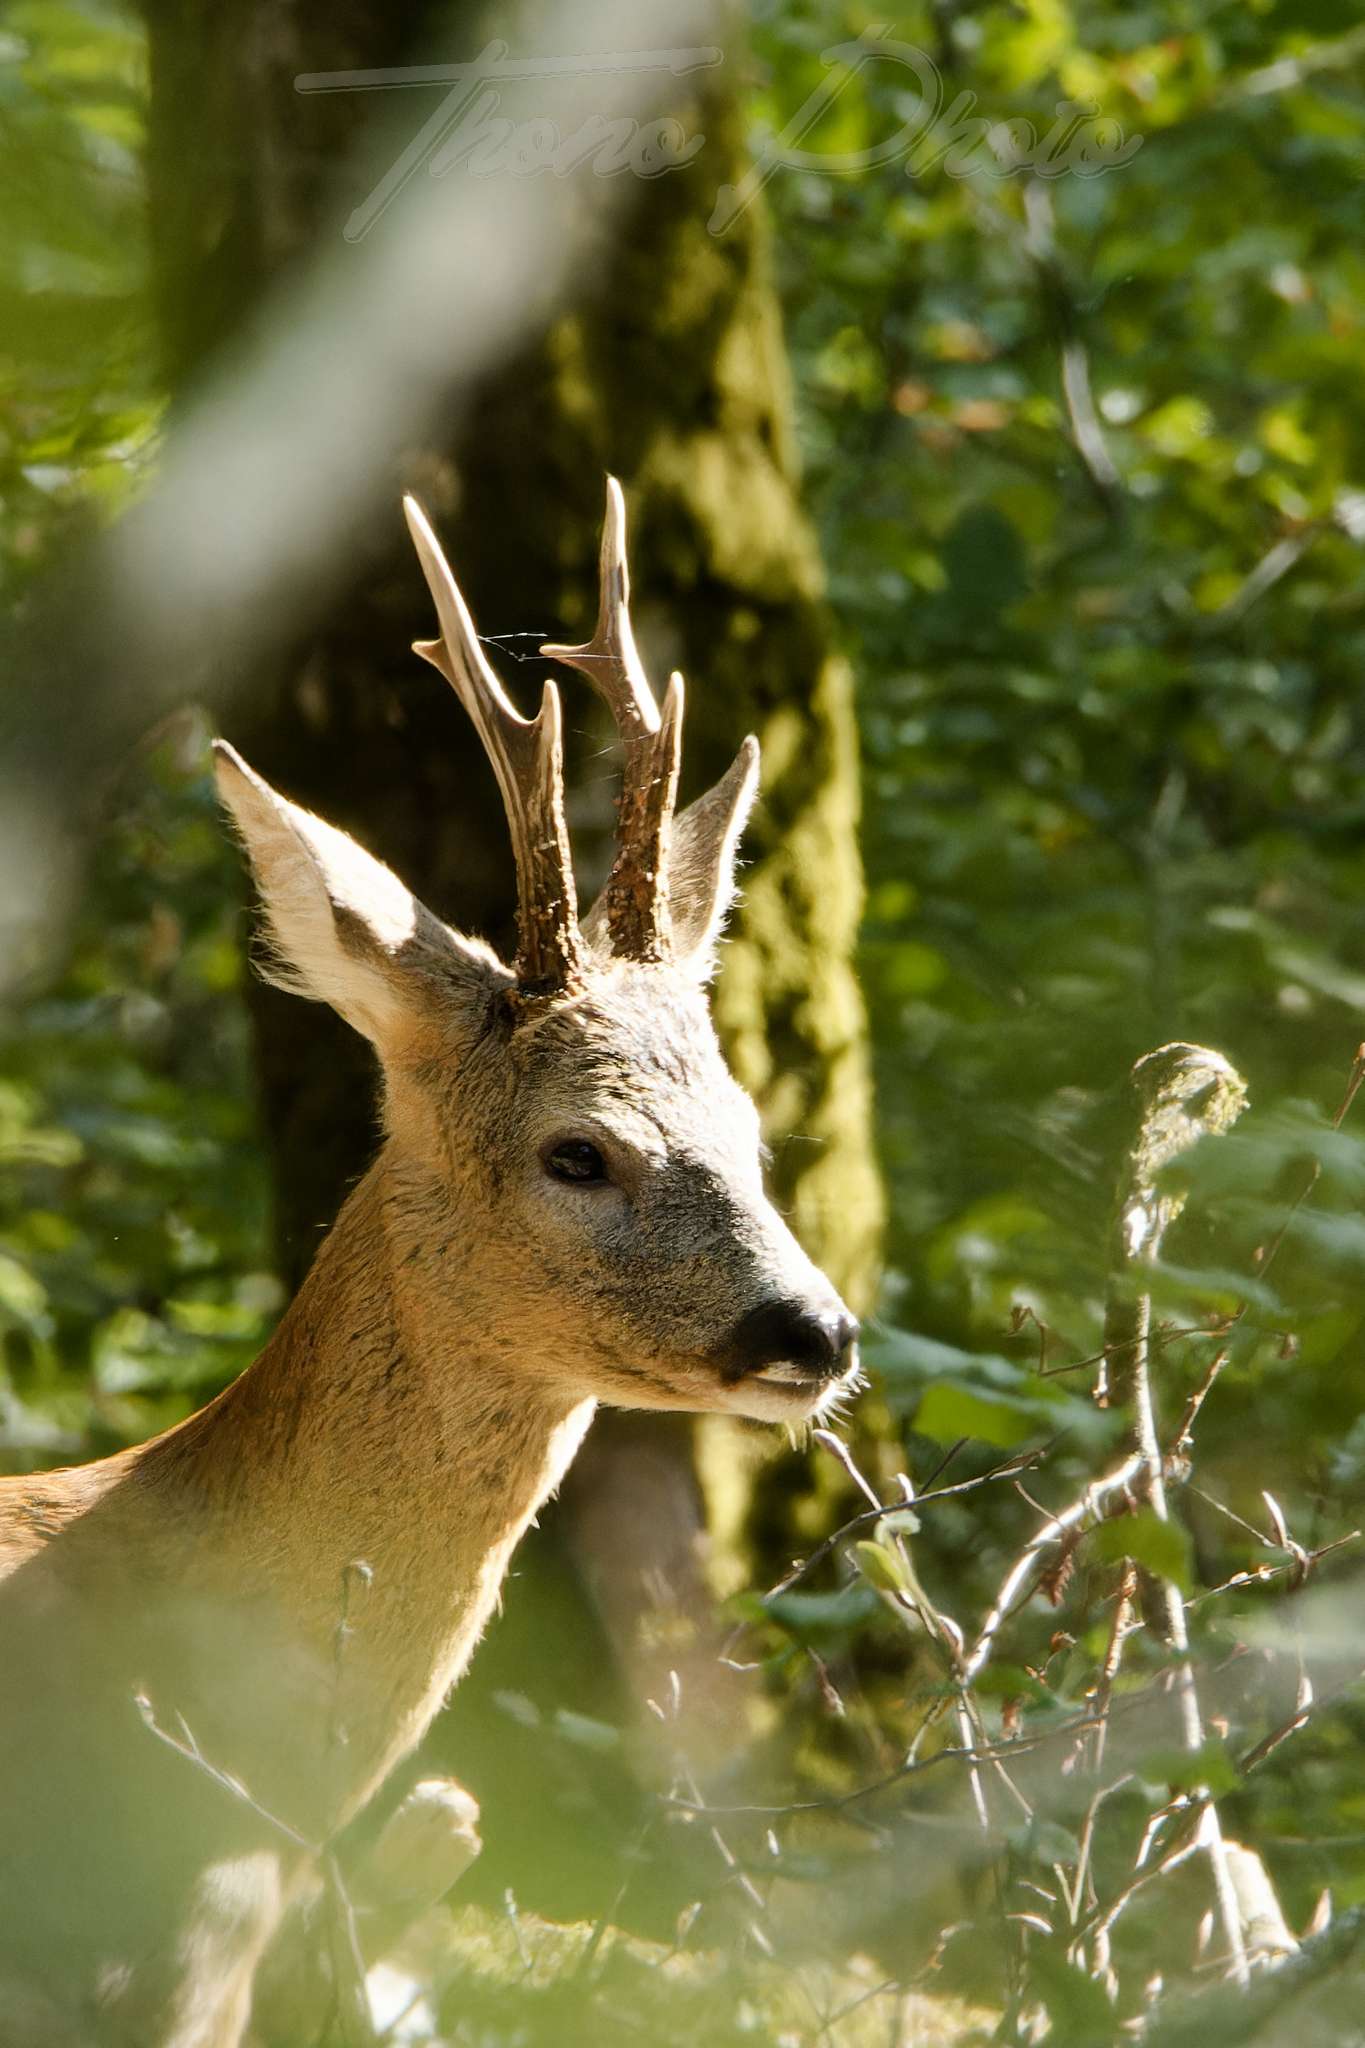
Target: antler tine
(528, 760)
(637, 889)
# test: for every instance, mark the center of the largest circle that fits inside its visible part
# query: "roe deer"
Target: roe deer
(567, 1208)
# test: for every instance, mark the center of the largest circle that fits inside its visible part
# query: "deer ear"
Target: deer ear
(701, 865)
(341, 927)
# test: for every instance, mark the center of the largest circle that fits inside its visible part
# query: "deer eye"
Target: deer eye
(577, 1162)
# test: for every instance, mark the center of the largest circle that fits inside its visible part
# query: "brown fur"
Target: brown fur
(378, 1463)
(420, 1400)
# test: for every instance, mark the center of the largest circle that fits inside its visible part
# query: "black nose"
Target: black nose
(819, 1341)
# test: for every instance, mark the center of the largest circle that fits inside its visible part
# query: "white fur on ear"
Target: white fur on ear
(341, 927)
(702, 863)
(701, 867)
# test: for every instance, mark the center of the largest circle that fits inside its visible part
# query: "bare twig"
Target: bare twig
(356, 1576)
(1184, 1435)
(1185, 1093)
(839, 1450)
(1021, 1461)
(1018, 1581)
(185, 1745)
(1184, 1846)
(1159, 1339)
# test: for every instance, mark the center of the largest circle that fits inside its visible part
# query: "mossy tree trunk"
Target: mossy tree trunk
(667, 368)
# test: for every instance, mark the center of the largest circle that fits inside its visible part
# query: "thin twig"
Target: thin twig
(185, 1745)
(1160, 1338)
(1021, 1461)
(1016, 1584)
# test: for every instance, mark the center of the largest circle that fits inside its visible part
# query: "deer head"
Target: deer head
(582, 1170)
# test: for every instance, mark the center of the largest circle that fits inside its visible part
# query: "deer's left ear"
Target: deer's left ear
(341, 927)
(702, 860)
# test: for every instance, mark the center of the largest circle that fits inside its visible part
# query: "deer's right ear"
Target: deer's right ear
(703, 858)
(341, 927)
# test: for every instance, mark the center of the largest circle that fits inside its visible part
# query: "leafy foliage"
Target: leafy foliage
(79, 403)
(1088, 457)
(1109, 664)
(132, 1199)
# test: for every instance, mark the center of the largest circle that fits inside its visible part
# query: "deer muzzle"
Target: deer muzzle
(792, 1344)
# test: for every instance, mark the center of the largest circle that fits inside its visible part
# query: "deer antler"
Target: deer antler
(637, 889)
(528, 759)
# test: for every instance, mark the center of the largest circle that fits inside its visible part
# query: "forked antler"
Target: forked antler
(637, 891)
(528, 759)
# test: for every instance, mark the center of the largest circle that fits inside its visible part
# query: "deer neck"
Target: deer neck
(377, 1465)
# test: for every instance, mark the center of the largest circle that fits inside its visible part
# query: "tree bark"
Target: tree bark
(666, 367)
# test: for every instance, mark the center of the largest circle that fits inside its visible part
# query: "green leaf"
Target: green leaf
(1190, 1770)
(23, 1298)
(518, 1708)
(1013, 1682)
(1164, 1548)
(586, 1732)
(948, 1412)
(906, 1356)
(822, 1615)
(882, 1567)
(1079, 2011)
(1043, 1841)
(985, 562)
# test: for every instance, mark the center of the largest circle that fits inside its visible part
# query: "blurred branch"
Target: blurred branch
(1274, 564)
(1184, 1093)
(1040, 244)
(1063, 315)
(1219, 2019)
(1336, 53)
(270, 478)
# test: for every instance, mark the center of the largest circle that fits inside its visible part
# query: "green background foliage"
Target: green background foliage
(1087, 454)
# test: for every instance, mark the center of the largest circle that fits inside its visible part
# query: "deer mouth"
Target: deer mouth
(783, 1374)
(804, 1384)
(786, 1392)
